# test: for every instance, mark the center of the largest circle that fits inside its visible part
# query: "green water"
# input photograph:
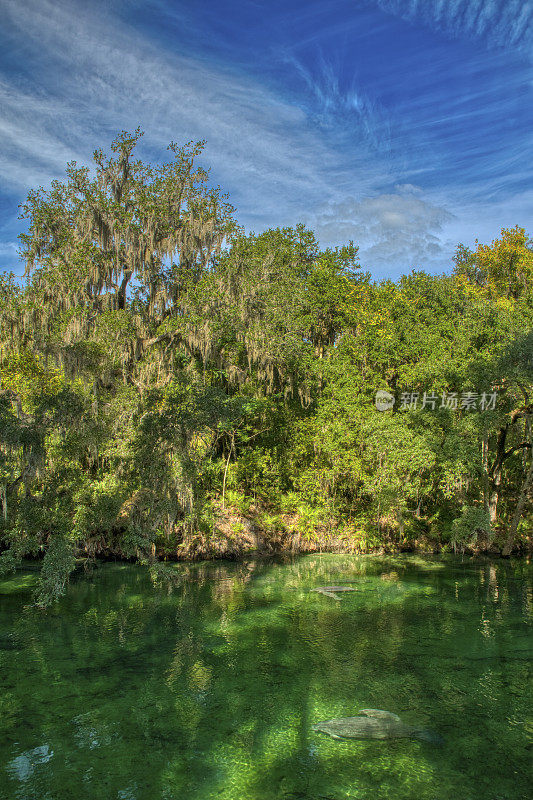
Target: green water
(124, 691)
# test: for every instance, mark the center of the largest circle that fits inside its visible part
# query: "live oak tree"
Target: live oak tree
(124, 227)
(154, 229)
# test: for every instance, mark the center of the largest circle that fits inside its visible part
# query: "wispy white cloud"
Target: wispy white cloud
(437, 113)
(499, 22)
(8, 249)
(321, 141)
(33, 143)
(336, 103)
(111, 77)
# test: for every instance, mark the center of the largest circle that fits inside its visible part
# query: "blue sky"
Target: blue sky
(405, 125)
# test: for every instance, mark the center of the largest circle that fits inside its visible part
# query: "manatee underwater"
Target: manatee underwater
(331, 591)
(373, 723)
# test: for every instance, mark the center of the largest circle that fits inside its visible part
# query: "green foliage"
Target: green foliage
(241, 502)
(161, 365)
(97, 505)
(59, 561)
(466, 529)
(309, 518)
(270, 523)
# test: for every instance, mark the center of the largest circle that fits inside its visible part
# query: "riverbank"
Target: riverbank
(235, 535)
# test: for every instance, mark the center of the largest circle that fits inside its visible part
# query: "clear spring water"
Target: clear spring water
(126, 691)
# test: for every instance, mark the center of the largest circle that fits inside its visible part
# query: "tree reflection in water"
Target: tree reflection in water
(209, 689)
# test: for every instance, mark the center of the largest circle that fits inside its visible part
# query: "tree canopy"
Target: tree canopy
(169, 382)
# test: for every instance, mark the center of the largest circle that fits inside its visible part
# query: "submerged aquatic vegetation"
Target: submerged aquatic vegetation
(211, 686)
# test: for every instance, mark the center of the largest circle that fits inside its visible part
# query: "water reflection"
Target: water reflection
(209, 689)
(23, 766)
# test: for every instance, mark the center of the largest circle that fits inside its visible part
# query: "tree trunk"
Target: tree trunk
(485, 467)
(225, 474)
(121, 295)
(3, 501)
(518, 511)
(493, 501)
(496, 476)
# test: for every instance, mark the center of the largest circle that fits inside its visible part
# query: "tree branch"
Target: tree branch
(515, 448)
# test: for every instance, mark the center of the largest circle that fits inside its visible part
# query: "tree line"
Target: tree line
(169, 382)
